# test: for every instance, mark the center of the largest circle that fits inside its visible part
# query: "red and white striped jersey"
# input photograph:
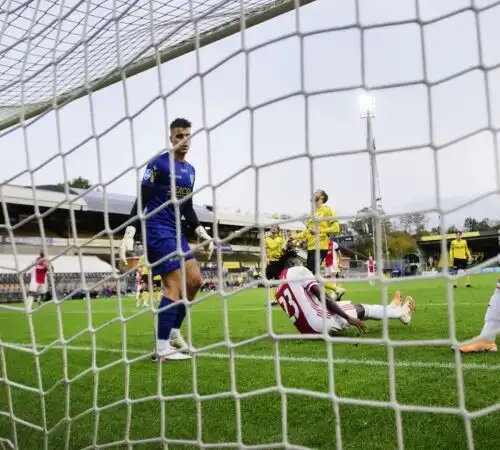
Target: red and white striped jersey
(138, 278)
(40, 270)
(295, 298)
(331, 258)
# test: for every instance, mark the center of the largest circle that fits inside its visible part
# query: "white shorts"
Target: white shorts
(371, 274)
(331, 270)
(38, 288)
(336, 323)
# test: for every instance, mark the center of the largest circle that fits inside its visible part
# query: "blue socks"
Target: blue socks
(181, 315)
(171, 318)
(166, 319)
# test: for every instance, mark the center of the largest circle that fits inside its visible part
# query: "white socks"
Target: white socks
(376, 312)
(492, 317)
(175, 332)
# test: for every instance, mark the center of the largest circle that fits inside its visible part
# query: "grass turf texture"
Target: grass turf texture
(424, 376)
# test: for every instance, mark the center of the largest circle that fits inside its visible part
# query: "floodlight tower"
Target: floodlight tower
(367, 108)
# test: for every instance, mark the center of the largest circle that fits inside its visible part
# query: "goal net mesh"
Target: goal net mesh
(54, 53)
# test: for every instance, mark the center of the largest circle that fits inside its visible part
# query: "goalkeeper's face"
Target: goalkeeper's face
(180, 138)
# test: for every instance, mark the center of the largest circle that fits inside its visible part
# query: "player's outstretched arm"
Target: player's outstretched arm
(127, 244)
(333, 307)
(192, 218)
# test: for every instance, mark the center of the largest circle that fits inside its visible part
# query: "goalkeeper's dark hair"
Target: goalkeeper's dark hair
(180, 123)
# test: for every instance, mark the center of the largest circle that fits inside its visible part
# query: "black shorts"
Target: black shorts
(311, 259)
(145, 282)
(459, 263)
(273, 271)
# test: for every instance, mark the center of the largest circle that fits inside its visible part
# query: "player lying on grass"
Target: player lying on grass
(299, 296)
(485, 342)
(161, 238)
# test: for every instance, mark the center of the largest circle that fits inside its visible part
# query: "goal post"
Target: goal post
(209, 21)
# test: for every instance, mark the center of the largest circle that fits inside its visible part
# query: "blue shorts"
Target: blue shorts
(161, 243)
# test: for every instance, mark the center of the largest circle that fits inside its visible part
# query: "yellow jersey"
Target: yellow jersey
(142, 266)
(459, 249)
(274, 247)
(157, 278)
(325, 228)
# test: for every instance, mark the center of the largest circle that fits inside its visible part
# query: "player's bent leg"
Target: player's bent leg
(337, 324)
(194, 280)
(167, 316)
(172, 311)
(173, 290)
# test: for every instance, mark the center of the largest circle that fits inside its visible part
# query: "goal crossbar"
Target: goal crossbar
(254, 16)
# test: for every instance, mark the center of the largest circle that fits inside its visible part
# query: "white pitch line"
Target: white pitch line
(292, 359)
(217, 310)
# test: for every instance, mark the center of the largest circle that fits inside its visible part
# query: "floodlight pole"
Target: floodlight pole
(367, 112)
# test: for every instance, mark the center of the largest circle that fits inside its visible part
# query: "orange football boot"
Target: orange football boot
(479, 346)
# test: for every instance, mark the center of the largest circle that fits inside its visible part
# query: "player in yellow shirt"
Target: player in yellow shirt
(145, 284)
(157, 287)
(459, 256)
(323, 227)
(274, 245)
(143, 271)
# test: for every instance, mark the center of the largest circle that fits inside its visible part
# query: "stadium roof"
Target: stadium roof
(94, 201)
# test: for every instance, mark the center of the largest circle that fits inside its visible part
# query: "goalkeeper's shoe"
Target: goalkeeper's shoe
(179, 344)
(169, 353)
(409, 309)
(396, 300)
(479, 346)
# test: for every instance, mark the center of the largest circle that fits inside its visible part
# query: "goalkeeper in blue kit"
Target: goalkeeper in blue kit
(161, 239)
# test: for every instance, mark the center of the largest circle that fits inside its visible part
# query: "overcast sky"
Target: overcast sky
(331, 60)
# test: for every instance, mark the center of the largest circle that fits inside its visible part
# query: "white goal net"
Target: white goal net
(87, 90)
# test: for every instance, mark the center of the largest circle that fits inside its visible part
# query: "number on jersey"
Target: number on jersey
(288, 303)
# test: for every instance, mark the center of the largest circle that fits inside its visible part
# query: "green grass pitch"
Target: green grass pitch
(110, 401)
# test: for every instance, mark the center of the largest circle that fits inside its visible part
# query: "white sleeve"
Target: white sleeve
(335, 246)
(307, 277)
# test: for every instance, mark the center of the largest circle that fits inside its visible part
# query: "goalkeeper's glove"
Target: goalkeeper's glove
(202, 234)
(127, 243)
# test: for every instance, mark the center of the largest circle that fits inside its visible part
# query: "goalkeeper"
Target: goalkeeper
(161, 238)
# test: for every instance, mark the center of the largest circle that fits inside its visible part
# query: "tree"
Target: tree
(470, 224)
(400, 243)
(484, 224)
(452, 230)
(79, 182)
(413, 222)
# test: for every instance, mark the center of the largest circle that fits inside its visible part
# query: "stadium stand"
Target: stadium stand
(62, 264)
(22, 231)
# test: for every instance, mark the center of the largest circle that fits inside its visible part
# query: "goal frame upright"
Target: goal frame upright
(257, 16)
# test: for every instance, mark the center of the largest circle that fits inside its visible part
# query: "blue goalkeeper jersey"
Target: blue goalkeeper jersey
(157, 177)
